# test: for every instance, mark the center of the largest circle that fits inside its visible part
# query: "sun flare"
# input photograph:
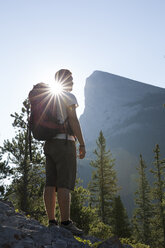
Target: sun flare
(56, 88)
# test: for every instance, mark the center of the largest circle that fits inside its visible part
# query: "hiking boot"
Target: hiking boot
(72, 228)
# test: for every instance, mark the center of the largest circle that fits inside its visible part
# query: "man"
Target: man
(61, 156)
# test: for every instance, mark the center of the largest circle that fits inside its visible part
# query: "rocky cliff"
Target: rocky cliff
(17, 231)
(132, 118)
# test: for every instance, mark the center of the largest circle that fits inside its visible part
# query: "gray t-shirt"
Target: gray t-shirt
(65, 100)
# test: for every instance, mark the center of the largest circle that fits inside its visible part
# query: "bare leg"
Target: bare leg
(64, 199)
(50, 201)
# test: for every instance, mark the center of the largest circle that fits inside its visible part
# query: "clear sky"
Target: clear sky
(38, 37)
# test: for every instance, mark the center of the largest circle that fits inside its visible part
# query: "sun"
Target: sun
(56, 88)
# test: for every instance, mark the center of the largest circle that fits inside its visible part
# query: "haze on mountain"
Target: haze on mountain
(132, 118)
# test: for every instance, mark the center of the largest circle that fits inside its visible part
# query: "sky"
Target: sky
(39, 37)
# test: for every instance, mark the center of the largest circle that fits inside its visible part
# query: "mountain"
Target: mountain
(132, 118)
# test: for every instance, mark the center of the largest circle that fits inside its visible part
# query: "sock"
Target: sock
(66, 222)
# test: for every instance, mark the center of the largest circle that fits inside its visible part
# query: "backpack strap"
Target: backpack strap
(29, 133)
(30, 145)
(30, 140)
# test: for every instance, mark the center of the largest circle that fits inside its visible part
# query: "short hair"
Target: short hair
(40, 85)
(63, 76)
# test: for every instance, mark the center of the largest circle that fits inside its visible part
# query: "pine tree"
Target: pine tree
(120, 222)
(103, 185)
(81, 213)
(158, 191)
(143, 211)
(28, 178)
(86, 217)
(5, 172)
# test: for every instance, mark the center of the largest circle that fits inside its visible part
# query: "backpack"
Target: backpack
(43, 122)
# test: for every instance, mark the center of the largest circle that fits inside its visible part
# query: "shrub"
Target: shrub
(100, 230)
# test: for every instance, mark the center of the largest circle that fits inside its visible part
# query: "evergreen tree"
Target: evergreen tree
(158, 191)
(143, 211)
(120, 222)
(5, 171)
(28, 178)
(83, 215)
(103, 185)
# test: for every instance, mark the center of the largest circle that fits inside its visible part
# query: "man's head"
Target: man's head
(64, 77)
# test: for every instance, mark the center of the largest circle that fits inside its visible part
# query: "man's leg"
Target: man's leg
(64, 199)
(50, 201)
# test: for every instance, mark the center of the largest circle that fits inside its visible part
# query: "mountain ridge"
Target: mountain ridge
(132, 118)
(123, 77)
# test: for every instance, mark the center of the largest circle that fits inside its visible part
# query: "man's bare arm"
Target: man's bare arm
(75, 125)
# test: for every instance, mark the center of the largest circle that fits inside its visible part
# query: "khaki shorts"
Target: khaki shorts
(61, 163)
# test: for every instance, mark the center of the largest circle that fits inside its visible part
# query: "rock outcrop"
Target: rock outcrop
(17, 231)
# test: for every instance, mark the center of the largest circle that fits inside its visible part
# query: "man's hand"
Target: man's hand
(82, 152)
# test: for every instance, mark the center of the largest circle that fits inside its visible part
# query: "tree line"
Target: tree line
(98, 209)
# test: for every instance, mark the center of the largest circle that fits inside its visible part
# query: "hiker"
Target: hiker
(60, 154)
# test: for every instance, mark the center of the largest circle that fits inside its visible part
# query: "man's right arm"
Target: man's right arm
(75, 125)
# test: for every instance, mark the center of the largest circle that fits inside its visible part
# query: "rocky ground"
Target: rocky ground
(17, 231)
